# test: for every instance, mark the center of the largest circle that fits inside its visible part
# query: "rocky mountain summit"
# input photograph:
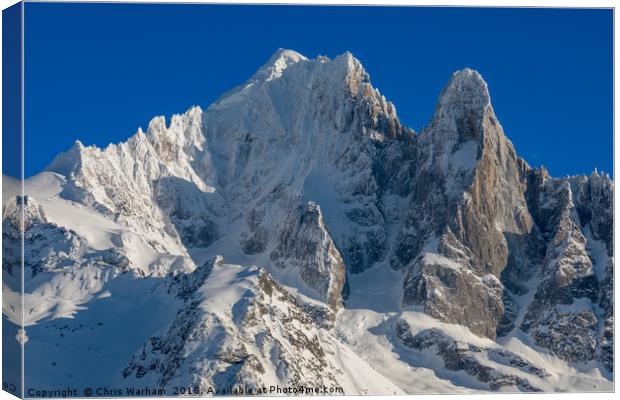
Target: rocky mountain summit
(296, 233)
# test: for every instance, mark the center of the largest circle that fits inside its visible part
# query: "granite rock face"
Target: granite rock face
(306, 245)
(485, 229)
(468, 203)
(570, 313)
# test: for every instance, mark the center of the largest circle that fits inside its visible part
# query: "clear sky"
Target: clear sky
(96, 72)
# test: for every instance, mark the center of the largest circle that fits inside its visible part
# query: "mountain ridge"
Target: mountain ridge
(306, 171)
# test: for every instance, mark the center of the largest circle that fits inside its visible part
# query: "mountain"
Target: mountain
(295, 234)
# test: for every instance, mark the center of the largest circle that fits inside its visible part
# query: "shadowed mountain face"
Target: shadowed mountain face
(315, 200)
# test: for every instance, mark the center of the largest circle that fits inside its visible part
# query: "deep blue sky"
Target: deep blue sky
(96, 72)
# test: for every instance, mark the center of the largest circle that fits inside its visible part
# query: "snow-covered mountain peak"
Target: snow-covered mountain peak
(344, 67)
(156, 124)
(464, 117)
(184, 131)
(456, 131)
(348, 61)
(279, 61)
(305, 172)
(64, 163)
(471, 79)
(466, 94)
